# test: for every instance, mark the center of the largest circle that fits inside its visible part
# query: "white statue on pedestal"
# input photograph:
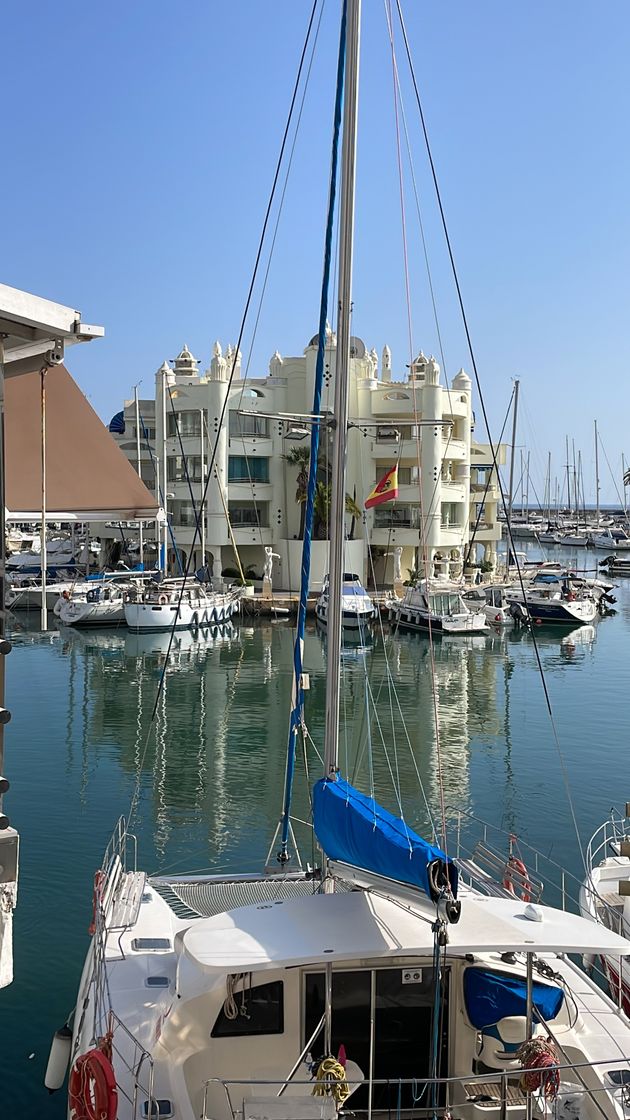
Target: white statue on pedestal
(398, 564)
(270, 556)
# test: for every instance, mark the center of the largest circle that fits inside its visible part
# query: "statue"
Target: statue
(398, 564)
(270, 556)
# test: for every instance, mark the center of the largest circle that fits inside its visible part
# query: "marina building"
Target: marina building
(253, 435)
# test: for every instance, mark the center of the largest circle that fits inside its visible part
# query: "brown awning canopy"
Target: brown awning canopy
(87, 476)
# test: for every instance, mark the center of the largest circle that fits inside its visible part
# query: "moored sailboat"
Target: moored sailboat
(395, 974)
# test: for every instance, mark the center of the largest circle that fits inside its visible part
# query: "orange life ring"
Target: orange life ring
(92, 1088)
(97, 894)
(163, 600)
(515, 865)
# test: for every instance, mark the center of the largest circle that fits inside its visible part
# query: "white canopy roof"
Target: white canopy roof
(340, 927)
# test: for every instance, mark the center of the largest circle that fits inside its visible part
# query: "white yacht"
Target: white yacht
(492, 600)
(613, 540)
(178, 604)
(94, 604)
(357, 608)
(438, 606)
(605, 894)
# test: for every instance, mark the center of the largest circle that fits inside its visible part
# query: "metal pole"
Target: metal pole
(514, 420)
(527, 490)
(529, 1016)
(568, 477)
(202, 512)
(372, 1038)
(3, 646)
(44, 561)
(164, 474)
(135, 390)
(337, 517)
(328, 1011)
(597, 474)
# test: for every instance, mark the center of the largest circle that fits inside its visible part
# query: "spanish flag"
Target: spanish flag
(385, 491)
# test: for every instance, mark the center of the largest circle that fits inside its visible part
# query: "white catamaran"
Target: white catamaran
(396, 979)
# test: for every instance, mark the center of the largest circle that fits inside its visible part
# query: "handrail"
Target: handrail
(468, 1079)
(141, 1057)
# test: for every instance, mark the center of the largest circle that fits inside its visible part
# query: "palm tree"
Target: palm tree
(300, 457)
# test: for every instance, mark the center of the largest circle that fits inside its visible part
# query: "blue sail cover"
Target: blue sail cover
(355, 829)
(491, 996)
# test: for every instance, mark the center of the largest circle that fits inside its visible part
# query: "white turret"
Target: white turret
(275, 364)
(167, 373)
(218, 365)
(386, 363)
(418, 368)
(186, 365)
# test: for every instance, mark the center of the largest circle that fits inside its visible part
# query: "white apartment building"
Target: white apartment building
(447, 484)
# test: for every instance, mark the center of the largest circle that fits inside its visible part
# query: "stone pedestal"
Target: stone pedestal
(266, 589)
(399, 589)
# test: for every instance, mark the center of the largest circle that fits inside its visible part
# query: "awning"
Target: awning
(87, 476)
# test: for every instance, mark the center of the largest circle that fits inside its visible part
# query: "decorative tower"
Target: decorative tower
(217, 531)
(386, 364)
(186, 365)
(428, 371)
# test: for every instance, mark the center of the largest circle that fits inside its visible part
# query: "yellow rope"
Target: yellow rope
(331, 1081)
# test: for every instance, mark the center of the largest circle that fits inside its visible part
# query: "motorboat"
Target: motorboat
(357, 608)
(553, 598)
(492, 600)
(611, 539)
(574, 539)
(26, 594)
(437, 606)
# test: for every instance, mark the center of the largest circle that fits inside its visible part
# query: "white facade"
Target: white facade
(442, 473)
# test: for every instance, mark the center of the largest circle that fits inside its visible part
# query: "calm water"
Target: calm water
(211, 766)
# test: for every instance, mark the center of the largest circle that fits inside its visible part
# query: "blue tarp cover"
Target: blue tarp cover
(355, 829)
(491, 996)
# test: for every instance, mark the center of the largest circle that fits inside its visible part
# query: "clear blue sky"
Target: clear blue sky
(139, 144)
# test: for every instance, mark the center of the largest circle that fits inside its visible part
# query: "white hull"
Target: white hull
(173, 614)
(176, 1039)
(78, 612)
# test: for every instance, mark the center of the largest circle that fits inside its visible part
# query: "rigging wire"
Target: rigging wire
(493, 451)
(250, 292)
(423, 522)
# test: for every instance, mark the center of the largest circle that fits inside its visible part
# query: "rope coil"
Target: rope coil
(331, 1081)
(539, 1059)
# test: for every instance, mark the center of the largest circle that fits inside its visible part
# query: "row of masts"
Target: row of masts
(555, 501)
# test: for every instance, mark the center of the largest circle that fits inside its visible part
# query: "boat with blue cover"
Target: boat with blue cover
(401, 975)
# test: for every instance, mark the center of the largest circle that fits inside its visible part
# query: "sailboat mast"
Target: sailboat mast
(596, 474)
(338, 496)
(514, 420)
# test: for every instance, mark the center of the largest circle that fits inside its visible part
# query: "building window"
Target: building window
(146, 432)
(242, 468)
(397, 517)
(248, 426)
(184, 514)
(450, 515)
(189, 423)
(261, 1011)
(176, 468)
(244, 515)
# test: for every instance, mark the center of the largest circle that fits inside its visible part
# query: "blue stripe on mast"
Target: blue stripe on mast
(298, 692)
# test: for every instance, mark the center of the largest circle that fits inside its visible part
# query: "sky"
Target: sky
(140, 142)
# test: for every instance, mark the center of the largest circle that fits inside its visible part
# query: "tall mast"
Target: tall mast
(337, 511)
(596, 474)
(139, 463)
(568, 477)
(514, 419)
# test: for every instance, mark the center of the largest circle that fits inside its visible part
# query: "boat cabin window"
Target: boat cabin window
(445, 603)
(350, 577)
(260, 1010)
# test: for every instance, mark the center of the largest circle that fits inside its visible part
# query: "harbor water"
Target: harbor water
(208, 766)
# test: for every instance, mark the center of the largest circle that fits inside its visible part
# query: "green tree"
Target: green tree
(300, 457)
